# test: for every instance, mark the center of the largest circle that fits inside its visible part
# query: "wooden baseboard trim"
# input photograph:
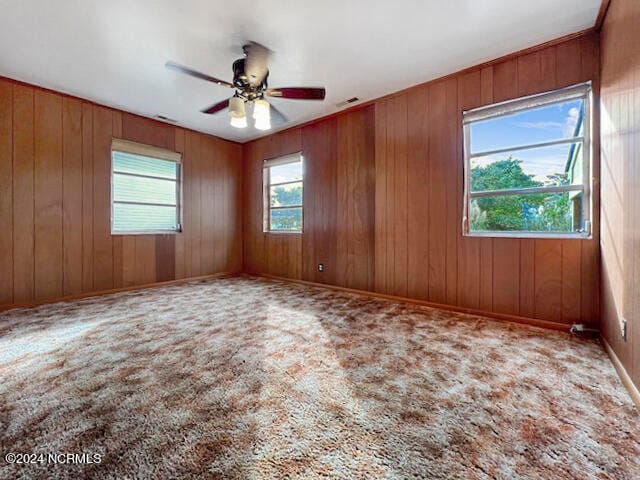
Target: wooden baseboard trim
(452, 308)
(115, 290)
(634, 393)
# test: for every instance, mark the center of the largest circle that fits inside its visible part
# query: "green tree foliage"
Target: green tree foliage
(532, 212)
(286, 218)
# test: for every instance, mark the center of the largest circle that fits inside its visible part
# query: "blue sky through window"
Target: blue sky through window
(552, 122)
(288, 172)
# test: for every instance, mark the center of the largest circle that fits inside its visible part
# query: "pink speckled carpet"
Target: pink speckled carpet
(246, 378)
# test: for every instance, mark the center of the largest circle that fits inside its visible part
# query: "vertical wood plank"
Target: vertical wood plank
(72, 194)
(571, 278)
(438, 149)
(48, 251)
(221, 222)
(356, 180)
(23, 193)
(548, 79)
(527, 277)
(548, 280)
(165, 254)
(569, 63)
(253, 156)
(319, 242)
(418, 199)
(87, 197)
(381, 197)
(145, 265)
(389, 219)
(529, 70)
(344, 217)
(399, 141)
(128, 260)
(505, 81)
(453, 165)
(6, 193)
(195, 172)
(236, 194)
(506, 276)
(210, 201)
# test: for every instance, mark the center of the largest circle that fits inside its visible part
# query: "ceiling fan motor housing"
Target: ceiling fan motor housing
(241, 81)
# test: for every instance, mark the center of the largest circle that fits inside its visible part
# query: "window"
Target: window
(145, 189)
(283, 178)
(527, 166)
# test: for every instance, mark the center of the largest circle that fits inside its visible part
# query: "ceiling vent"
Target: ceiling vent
(347, 102)
(166, 119)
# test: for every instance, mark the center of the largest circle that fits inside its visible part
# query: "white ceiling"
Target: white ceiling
(113, 51)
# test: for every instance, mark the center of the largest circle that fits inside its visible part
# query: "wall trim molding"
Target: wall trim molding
(101, 293)
(634, 393)
(423, 303)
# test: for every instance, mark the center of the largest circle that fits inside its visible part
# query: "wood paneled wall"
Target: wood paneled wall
(383, 199)
(338, 203)
(620, 153)
(55, 200)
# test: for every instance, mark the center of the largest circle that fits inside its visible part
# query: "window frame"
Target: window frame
(266, 192)
(579, 91)
(154, 153)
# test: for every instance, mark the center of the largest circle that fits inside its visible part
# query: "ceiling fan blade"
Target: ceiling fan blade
(277, 117)
(196, 74)
(298, 93)
(216, 107)
(256, 65)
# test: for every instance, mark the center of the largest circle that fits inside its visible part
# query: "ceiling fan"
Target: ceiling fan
(250, 83)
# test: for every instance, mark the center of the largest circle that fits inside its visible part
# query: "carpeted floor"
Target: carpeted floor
(246, 378)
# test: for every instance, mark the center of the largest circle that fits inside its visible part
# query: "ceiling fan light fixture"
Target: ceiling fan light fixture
(236, 107)
(261, 111)
(263, 123)
(239, 122)
(237, 113)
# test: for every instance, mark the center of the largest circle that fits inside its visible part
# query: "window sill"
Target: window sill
(531, 235)
(148, 232)
(283, 232)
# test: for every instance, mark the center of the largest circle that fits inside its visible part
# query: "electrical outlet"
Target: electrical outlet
(321, 267)
(623, 328)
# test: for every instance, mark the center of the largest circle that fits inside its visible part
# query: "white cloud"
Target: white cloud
(542, 125)
(571, 122)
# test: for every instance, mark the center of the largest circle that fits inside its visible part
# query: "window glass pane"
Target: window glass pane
(143, 217)
(127, 188)
(130, 163)
(284, 195)
(288, 172)
(536, 167)
(548, 212)
(548, 123)
(286, 219)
